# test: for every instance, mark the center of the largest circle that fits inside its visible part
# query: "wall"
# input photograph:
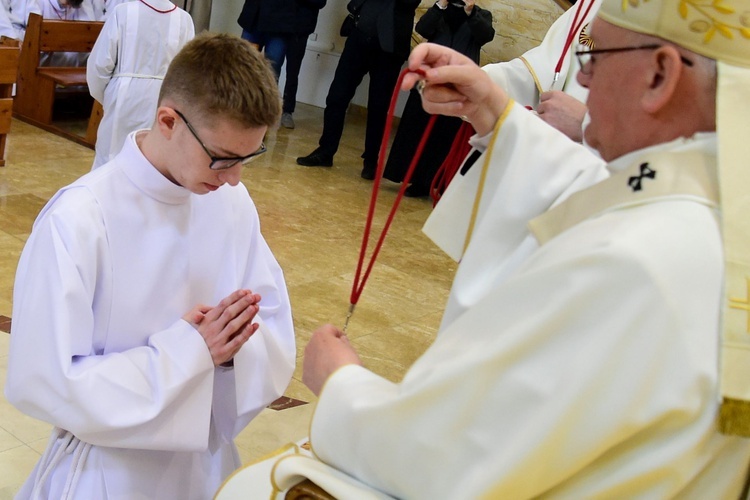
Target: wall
(519, 26)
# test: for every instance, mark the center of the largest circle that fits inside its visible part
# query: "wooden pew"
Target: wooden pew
(9, 56)
(38, 86)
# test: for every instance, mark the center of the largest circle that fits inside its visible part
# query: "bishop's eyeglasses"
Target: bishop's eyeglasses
(221, 162)
(586, 58)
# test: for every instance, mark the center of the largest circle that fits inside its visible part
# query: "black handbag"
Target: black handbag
(350, 21)
(347, 27)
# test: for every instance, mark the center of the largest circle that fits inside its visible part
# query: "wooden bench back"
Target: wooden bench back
(9, 57)
(36, 86)
(68, 36)
(51, 35)
(9, 64)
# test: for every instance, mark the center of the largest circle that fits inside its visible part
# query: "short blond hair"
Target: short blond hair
(217, 76)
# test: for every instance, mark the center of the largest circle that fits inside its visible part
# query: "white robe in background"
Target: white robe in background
(50, 9)
(514, 76)
(99, 349)
(103, 8)
(127, 65)
(6, 28)
(18, 13)
(589, 369)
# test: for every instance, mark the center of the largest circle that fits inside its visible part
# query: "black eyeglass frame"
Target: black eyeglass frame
(581, 54)
(225, 161)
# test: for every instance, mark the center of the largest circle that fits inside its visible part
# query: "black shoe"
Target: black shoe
(316, 159)
(369, 169)
(415, 191)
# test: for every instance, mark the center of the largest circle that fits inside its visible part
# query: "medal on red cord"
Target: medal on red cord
(359, 278)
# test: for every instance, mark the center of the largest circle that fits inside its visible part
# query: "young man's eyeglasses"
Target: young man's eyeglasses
(586, 55)
(219, 162)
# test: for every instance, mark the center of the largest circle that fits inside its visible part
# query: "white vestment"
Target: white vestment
(99, 349)
(18, 13)
(517, 79)
(589, 369)
(51, 9)
(103, 8)
(127, 65)
(6, 28)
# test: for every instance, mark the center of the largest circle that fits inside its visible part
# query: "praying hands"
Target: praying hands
(227, 326)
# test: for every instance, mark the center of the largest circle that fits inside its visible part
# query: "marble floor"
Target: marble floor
(313, 220)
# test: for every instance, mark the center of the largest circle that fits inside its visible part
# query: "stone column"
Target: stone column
(200, 11)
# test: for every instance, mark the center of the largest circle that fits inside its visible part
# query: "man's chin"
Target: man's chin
(585, 129)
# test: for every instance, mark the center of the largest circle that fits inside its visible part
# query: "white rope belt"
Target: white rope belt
(136, 75)
(68, 444)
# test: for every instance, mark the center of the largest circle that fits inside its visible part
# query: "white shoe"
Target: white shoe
(287, 121)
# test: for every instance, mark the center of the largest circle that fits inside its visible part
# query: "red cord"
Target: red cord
(157, 10)
(459, 150)
(359, 285)
(574, 28)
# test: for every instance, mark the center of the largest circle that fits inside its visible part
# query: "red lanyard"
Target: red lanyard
(359, 279)
(157, 10)
(574, 29)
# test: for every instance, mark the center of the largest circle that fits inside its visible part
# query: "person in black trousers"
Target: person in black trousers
(464, 27)
(280, 29)
(378, 45)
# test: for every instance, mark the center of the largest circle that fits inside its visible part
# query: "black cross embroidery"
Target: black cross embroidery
(646, 172)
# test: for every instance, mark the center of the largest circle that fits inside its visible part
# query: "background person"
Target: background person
(125, 68)
(378, 46)
(464, 27)
(544, 78)
(280, 29)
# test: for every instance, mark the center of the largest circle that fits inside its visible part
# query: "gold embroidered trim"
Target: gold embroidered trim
(533, 75)
(711, 22)
(483, 175)
(274, 453)
(734, 417)
(744, 304)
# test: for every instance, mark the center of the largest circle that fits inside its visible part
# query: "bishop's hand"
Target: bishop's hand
(455, 86)
(328, 350)
(227, 326)
(563, 112)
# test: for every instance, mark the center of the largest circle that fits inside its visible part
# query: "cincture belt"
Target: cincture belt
(137, 75)
(67, 444)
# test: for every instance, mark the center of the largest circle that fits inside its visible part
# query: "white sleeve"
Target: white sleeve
(522, 83)
(103, 59)
(264, 366)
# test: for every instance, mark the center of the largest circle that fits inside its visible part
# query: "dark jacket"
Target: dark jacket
(394, 23)
(280, 16)
(467, 39)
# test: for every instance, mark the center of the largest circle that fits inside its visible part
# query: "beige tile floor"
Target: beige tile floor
(312, 219)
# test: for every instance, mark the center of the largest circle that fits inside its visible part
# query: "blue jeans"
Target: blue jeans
(273, 46)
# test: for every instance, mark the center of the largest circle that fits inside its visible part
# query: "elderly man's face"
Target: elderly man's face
(612, 81)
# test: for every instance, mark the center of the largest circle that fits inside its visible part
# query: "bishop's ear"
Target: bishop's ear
(665, 72)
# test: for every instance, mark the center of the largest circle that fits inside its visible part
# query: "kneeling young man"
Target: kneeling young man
(151, 321)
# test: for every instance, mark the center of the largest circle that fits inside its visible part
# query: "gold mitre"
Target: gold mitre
(719, 30)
